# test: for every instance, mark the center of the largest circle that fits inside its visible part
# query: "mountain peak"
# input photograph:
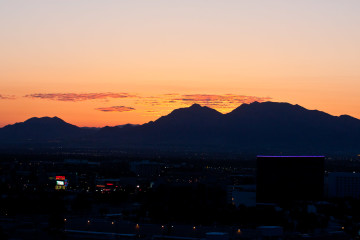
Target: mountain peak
(195, 114)
(196, 105)
(40, 128)
(196, 109)
(267, 107)
(42, 122)
(45, 120)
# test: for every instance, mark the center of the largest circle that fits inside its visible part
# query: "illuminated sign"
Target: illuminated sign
(60, 183)
(59, 187)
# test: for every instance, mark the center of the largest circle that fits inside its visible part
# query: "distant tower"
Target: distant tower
(289, 178)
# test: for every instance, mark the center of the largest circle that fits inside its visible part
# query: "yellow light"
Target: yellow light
(112, 223)
(64, 219)
(238, 231)
(194, 227)
(137, 226)
(88, 221)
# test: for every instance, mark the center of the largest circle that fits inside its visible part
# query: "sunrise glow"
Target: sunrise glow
(96, 63)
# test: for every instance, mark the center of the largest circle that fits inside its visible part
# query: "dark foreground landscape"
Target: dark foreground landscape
(263, 171)
(110, 195)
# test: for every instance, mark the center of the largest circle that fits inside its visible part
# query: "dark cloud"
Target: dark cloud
(7, 97)
(167, 102)
(115, 109)
(75, 97)
(221, 102)
(226, 100)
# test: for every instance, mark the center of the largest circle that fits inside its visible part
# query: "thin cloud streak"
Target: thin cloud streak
(154, 104)
(226, 100)
(115, 109)
(75, 97)
(222, 102)
(7, 97)
(163, 104)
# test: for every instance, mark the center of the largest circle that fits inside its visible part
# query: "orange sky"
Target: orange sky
(96, 63)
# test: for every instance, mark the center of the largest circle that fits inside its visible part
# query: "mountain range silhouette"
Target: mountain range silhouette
(267, 127)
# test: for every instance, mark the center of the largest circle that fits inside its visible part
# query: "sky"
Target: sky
(98, 63)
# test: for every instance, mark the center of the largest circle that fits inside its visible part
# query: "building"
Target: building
(242, 191)
(270, 233)
(289, 178)
(146, 168)
(61, 183)
(242, 195)
(344, 185)
(115, 184)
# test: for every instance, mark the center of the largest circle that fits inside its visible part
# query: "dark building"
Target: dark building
(289, 178)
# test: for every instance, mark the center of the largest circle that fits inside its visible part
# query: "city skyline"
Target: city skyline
(95, 64)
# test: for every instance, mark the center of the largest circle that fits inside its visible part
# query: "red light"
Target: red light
(109, 184)
(60, 177)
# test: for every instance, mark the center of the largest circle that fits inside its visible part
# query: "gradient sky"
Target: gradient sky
(97, 63)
